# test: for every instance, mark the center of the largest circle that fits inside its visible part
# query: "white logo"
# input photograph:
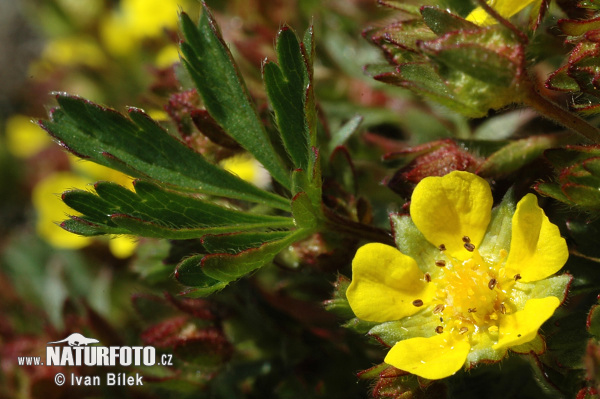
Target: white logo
(76, 339)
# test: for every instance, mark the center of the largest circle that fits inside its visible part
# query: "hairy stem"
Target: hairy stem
(341, 225)
(560, 115)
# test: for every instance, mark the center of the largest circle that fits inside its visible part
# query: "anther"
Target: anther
(517, 277)
(418, 302)
(469, 247)
(492, 284)
(472, 310)
(463, 330)
(428, 277)
(441, 319)
(519, 335)
(442, 247)
(439, 329)
(466, 239)
(502, 308)
(440, 263)
(438, 309)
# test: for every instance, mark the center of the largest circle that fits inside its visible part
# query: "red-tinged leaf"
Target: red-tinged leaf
(538, 10)
(206, 348)
(560, 80)
(212, 130)
(166, 333)
(442, 21)
(573, 27)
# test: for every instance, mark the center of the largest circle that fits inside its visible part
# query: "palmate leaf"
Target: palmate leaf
(151, 211)
(223, 90)
(141, 148)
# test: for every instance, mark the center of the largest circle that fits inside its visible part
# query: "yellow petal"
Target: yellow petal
(385, 283)
(522, 326)
(122, 247)
(24, 138)
(51, 209)
(445, 209)
(506, 8)
(536, 250)
(433, 358)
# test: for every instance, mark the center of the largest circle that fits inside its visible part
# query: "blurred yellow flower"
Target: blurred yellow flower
(74, 51)
(247, 168)
(136, 20)
(506, 8)
(51, 209)
(122, 246)
(167, 56)
(23, 137)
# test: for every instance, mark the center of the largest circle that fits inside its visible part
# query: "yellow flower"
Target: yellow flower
(137, 20)
(247, 168)
(23, 137)
(506, 8)
(476, 284)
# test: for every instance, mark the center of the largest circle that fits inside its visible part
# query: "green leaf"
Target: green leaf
(84, 227)
(154, 212)
(227, 267)
(286, 85)
(340, 136)
(519, 153)
(234, 243)
(305, 215)
(140, 147)
(188, 273)
(225, 96)
(593, 321)
(553, 191)
(441, 21)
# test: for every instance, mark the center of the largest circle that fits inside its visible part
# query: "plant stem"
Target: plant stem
(560, 115)
(341, 225)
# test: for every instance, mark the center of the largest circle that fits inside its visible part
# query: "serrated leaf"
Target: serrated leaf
(225, 96)
(582, 195)
(83, 227)
(140, 147)
(593, 321)
(553, 191)
(188, 273)
(286, 85)
(227, 267)
(154, 212)
(233, 243)
(573, 27)
(441, 21)
(560, 80)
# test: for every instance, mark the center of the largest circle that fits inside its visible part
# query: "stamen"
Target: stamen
(418, 302)
(469, 247)
(438, 309)
(442, 247)
(463, 330)
(441, 319)
(502, 308)
(440, 263)
(440, 329)
(472, 310)
(519, 335)
(466, 239)
(492, 284)
(428, 277)
(517, 277)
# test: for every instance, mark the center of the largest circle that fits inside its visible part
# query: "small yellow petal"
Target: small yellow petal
(122, 246)
(433, 358)
(522, 326)
(536, 250)
(445, 209)
(24, 138)
(51, 209)
(506, 8)
(385, 283)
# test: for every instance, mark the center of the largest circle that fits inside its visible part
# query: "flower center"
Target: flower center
(472, 294)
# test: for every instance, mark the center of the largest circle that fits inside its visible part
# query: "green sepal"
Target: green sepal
(286, 86)
(556, 286)
(140, 147)
(224, 93)
(233, 243)
(536, 346)
(339, 304)
(410, 241)
(189, 272)
(422, 324)
(227, 267)
(499, 231)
